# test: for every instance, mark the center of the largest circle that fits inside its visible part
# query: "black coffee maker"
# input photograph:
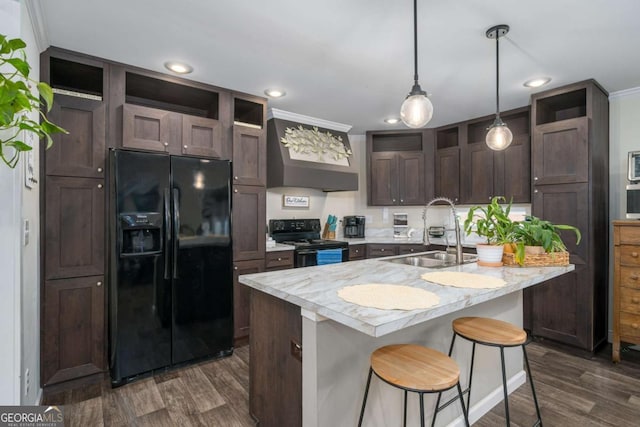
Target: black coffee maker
(353, 226)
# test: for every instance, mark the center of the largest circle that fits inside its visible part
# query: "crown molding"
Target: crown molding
(625, 92)
(36, 16)
(274, 113)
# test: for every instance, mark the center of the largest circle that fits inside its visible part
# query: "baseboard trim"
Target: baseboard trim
(492, 399)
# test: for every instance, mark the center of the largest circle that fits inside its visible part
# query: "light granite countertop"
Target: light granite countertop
(280, 247)
(394, 241)
(315, 289)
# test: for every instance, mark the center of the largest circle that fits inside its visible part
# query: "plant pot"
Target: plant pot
(490, 255)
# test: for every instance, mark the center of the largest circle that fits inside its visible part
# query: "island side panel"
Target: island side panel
(275, 361)
(335, 376)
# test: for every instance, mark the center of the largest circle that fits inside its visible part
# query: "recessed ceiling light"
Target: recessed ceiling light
(537, 82)
(391, 120)
(275, 93)
(178, 67)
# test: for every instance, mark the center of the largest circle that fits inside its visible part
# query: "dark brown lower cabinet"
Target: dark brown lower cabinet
(74, 329)
(357, 252)
(275, 368)
(241, 297)
(571, 309)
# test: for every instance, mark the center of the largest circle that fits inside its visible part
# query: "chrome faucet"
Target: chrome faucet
(425, 236)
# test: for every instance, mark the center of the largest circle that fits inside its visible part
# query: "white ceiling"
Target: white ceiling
(351, 61)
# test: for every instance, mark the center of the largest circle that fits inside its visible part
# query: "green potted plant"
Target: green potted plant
(493, 223)
(17, 102)
(535, 236)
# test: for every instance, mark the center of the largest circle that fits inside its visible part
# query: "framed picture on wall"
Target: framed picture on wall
(289, 201)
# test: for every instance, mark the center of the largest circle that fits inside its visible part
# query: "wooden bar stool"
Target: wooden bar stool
(417, 369)
(494, 333)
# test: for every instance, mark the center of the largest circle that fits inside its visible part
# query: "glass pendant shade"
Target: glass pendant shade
(499, 136)
(416, 111)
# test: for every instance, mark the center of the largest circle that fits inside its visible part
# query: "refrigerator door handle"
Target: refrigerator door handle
(176, 227)
(167, 231)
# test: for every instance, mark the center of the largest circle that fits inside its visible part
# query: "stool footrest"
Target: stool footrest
(450, 401)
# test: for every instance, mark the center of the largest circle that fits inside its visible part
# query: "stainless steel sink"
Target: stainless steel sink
(435, 259)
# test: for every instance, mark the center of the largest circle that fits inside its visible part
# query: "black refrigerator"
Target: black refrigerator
(170, 294)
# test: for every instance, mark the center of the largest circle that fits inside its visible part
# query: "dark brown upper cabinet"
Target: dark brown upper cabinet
(249, 218)
(447, 162)
(400, 165)
(486, 173)
(249, 141)
(74, 227)
(81, 152)
(249, 156)
(161, 113)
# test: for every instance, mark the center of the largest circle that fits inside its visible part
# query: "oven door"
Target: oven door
(633, 201)
(309, 257)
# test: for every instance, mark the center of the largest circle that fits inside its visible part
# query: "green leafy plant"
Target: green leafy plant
(534, 231)
(17, 101)
(491, 221)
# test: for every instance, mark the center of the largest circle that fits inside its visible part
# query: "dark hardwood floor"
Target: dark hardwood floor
(572, 391)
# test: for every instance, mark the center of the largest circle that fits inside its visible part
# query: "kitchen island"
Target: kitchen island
(298, 312)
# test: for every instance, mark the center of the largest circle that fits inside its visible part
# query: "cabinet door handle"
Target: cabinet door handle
(401, 201)
(357, 251)
(381, 250)
(166, 144)
(635, 300)
(633, 277)
(279, 259)
(98, 284)
(393, 200)
(634, 325)
(235, 190)
(634, 254)
(99, 169)
(235, 267)
(235, 178)
(99, 185)
(535, 191)
(535, 178)
(185, 147)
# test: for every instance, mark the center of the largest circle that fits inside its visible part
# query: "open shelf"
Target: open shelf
(397, 142)
(447, 138)
(477, 132)
(248, 113)
(561, 107)
(165, 95)
(73, 77)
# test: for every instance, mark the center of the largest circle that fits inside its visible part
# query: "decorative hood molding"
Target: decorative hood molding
(306, 152)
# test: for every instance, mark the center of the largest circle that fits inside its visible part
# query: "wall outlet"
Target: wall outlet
(27, 382)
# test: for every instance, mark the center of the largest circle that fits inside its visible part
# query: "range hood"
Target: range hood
(314, 154)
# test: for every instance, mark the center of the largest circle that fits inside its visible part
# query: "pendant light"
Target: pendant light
(499, 136)
(416, 110)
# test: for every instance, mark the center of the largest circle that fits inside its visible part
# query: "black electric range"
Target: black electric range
(304, 235)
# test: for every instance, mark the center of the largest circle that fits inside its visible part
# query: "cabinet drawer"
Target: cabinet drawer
(411, 249)
(357, 252)
(629, 255)
(377, 251)
(630, 325)
(630, 300)
(629, 235)
(630, 277)
(279, 260)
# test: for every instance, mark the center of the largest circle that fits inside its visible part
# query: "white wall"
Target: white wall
(624, 136)
(30, 327)
(10, 197)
